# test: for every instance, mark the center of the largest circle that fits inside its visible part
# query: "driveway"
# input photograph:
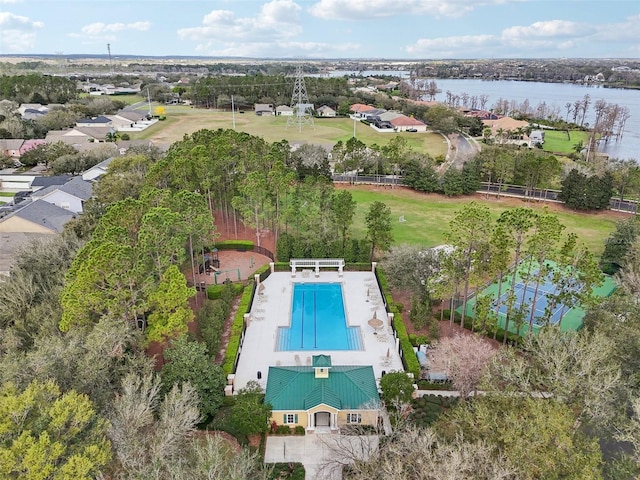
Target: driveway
(321, 454)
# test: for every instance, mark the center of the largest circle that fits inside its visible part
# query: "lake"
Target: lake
(558, 94)
(553, 94)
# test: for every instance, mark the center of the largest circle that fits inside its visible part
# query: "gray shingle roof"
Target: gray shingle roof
(45, 214)
(101, 120)
(78, 188)
(52, 180)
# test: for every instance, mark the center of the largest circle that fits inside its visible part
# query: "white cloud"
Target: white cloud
(17, 33)
(10, 1)
(99, 28)
(626, 31)
(545, 38)
(447, 47)
(278, 19)
(369, 9)
(548, 29)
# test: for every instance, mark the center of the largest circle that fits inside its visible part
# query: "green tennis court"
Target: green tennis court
(539, 298)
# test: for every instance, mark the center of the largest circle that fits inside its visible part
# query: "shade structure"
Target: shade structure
(375, 322)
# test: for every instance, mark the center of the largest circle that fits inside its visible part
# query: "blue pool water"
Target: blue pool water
(318, 320)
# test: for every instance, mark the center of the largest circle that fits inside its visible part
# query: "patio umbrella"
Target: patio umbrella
(375, 322)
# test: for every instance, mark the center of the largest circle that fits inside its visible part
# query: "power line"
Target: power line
(300, 103)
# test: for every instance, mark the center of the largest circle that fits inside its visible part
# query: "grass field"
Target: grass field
(557, 140)
(427, 216)
(183, 120)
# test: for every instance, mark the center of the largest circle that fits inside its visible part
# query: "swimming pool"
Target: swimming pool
(318, 320)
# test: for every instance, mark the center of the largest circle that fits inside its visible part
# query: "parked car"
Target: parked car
(412, 130)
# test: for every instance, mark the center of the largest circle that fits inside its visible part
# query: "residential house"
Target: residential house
(536, 137)
(504, 125)
(31, 144)
(79, 135)
(404, 123)
(263, 109)
(11, 147)
(326, 111)
(70, 196)
(128, 120)
(387, 87)
(39, 183)
(284, 110)
(359, 110)
(373, 115)
(97, 170)
(322, 396)
(100, 121)
(31, 106)
(37, 217)
(33, 114)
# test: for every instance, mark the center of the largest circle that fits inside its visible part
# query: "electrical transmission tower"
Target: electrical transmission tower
(110, 61)
(302, 109)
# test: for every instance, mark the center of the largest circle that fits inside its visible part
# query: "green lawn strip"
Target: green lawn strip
(557, 140)
(328, 131)
(6, 194)
(130, 99)
(427, 217)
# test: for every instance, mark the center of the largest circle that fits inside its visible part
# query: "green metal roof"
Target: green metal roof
(322, 394)
(296, 388)
(321, 361)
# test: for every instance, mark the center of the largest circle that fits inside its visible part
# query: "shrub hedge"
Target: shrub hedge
(236, 329)
(290, 470)
(293, 246)
(409, 358)
(240, 245)
(215, 292)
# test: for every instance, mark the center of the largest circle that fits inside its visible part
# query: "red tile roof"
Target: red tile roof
(360, 107)
(404, 121)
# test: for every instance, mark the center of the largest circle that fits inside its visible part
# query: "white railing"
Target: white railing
(316, 264)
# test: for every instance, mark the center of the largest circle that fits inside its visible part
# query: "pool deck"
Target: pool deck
(272, 309)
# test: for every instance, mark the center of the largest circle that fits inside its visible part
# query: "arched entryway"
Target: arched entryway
(322, 419)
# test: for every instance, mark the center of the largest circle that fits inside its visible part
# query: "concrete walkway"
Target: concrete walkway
(319, 453)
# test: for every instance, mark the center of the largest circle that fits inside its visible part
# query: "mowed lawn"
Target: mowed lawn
(560, 141)
(183, 120)
(427, 216)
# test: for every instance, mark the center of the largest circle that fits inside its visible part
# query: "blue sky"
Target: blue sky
(372, 29)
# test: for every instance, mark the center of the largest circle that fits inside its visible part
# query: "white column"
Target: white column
(340, 267)
(293, 269)
(310, 420)
(272, 267)
(247, 319)
(373, 266)
(390, 318)
(256, 278)
(317, 268)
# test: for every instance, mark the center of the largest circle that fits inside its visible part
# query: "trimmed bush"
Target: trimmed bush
(409, 358)
(240, 245)
(290, 470)
(358, 266)
(299, 430)
(236, 329)
(215, 292)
